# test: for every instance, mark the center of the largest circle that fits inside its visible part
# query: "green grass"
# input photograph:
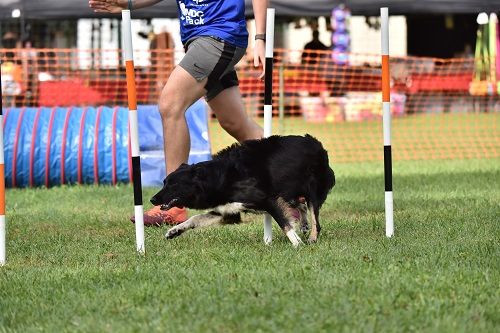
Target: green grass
(414, 137)
(72, 265)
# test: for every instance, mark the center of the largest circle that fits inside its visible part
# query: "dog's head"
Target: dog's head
(181, 188)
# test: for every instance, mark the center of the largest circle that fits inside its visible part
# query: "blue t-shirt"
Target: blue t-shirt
(224, 19)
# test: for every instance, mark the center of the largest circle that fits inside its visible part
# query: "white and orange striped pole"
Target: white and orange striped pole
(134, 132)
(3, 246)
(268, 103)
(386, 109)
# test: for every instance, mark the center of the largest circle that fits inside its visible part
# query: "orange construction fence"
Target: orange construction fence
(439, 110)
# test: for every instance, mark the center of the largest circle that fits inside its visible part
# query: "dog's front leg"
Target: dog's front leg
(196, 221)
(280, 210)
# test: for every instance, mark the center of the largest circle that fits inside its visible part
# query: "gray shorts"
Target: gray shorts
(212, 58)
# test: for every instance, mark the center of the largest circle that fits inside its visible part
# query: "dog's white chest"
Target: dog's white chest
(230, 208)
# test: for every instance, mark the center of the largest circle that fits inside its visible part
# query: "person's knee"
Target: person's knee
(170, 108)
(242, 130)
(232, 126)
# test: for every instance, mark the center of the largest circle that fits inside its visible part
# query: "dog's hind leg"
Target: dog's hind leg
(299, 212)
(313, 211)
(304, 220)
(280, 210)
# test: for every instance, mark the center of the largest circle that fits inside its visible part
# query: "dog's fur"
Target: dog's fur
(274, 175)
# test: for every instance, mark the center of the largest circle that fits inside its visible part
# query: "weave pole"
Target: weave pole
(268, 102)
(386, 107)
(134, 132)
(3, 246)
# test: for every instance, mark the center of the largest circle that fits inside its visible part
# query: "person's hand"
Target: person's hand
(259, 56)
(108, 6)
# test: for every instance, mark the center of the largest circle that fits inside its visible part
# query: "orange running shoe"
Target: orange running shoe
(157, 217)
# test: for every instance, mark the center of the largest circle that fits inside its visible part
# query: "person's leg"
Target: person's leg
(230, 112)
(180, 91)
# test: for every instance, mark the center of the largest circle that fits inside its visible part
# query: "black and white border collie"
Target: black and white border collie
(288, 177)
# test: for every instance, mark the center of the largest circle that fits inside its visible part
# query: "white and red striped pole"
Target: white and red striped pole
(134, 132)
(268, 103)
(386, 109)
(3, 246)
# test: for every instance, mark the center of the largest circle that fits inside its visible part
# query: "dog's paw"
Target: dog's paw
(173, 232)
(312, 240)
(304, 227)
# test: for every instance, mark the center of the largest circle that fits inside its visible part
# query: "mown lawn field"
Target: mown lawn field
(72, 265)
(414, 137)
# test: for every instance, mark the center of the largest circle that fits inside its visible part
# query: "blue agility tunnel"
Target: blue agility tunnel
(87, 145)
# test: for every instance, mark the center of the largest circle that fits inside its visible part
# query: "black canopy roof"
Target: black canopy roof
(60, 9)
